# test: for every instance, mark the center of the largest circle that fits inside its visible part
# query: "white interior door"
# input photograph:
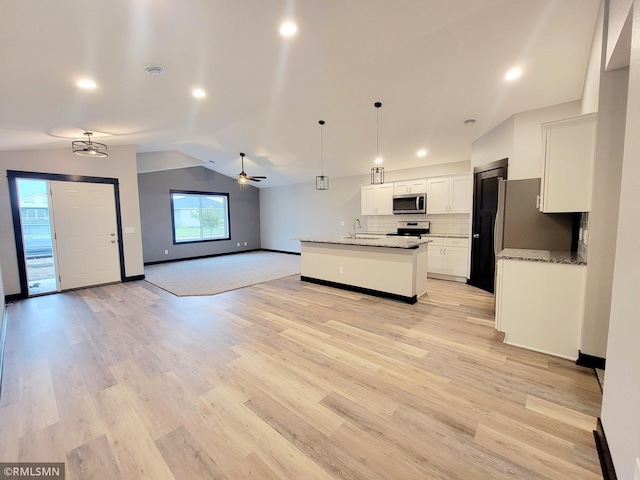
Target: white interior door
(86, 235)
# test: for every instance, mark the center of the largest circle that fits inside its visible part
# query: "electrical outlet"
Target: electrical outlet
(238, 244)
(245, 244)
(340, 270)
(342, 223)
(584, 236)
(166, 252)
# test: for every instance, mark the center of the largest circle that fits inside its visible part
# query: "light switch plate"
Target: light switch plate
(129, 230)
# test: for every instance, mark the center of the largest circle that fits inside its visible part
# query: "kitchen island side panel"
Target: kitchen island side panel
(393, 270)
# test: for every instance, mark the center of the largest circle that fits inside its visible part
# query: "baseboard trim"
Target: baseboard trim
(14, 298)
(280, 251)
(604, 454)
(366, 291)
(201, 256)
(133, 278)
(590, 361)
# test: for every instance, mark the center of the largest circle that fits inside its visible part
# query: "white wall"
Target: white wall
(120, 164)
(519, 138)
(300, 210)
(620, 412)
(603, 218)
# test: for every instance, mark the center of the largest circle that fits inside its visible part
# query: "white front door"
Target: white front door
(86, 235)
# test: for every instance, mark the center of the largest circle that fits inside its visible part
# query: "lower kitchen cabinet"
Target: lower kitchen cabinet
(448, 256)
(540, 305)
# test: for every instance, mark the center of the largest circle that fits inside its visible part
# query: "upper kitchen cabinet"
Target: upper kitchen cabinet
(449, 194)
(376, 199)
(410, 186)
(567, 176)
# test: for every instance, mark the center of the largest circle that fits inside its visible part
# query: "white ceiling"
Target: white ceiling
(432, 64)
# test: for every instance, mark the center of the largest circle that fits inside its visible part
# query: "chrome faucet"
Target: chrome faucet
(357, 220)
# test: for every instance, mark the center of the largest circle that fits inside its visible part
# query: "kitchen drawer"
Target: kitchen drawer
(455, 242)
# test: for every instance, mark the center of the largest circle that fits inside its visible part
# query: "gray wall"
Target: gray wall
(155, 213)
(300, 210)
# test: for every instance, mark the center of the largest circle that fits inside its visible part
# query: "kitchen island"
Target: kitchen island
(391, 267)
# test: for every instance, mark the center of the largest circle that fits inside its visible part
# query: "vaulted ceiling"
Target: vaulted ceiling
(432, 64)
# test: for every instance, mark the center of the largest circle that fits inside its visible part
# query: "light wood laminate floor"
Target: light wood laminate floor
(287, 380)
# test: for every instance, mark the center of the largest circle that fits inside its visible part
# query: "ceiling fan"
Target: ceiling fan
(243, 177)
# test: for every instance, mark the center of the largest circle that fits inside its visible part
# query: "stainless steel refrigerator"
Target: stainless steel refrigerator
(520, 224)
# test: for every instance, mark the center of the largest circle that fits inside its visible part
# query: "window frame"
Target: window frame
(173, 192)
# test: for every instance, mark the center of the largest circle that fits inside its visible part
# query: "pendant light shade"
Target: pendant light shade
(377, 172)
(87, 148)
(322, 181)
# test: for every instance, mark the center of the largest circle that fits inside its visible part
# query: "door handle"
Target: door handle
(476, 235)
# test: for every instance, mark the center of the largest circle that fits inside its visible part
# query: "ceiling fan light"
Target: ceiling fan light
(87, 148)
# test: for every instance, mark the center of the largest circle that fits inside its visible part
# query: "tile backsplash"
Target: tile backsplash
(453, 224)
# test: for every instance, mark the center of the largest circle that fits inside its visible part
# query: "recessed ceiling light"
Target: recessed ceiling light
(198, 93)
(288, 29)
(513, 74)
(422, 153)
(86, 84)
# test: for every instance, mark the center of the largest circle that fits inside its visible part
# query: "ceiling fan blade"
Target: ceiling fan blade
(253, 179)
(258, 177)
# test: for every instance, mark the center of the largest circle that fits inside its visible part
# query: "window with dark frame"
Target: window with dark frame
(199, 216)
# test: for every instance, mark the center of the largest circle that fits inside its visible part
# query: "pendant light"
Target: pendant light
(87, 148)
(322, 181)
(377, 172)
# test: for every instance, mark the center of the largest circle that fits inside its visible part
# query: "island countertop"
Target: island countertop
(368, 241)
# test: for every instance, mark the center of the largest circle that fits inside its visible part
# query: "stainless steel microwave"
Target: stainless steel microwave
(410, 203)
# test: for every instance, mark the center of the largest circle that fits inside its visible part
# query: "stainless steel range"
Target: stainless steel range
(411, 229)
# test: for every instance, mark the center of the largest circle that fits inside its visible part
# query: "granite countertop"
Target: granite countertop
(546, 256)
(365, 241)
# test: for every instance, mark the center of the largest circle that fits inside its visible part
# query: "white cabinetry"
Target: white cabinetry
(448, 256)
(540, 305)
(376, 199)
(449, 194)
(410, 186)
(567, 177)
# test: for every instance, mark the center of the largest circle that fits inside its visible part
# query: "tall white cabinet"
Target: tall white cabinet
(567, 177)
(449, 194)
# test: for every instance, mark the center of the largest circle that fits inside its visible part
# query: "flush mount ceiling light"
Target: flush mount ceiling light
(87, 148)
(421, 153)
(513, 74)
(198, 93)
(154, 70)
(86, 84)
(377, 173)
(288, 29)
(322, 181)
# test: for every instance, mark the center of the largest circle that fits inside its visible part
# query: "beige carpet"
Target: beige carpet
(208, 276)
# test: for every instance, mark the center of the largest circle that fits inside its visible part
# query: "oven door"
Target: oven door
(410, 203)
